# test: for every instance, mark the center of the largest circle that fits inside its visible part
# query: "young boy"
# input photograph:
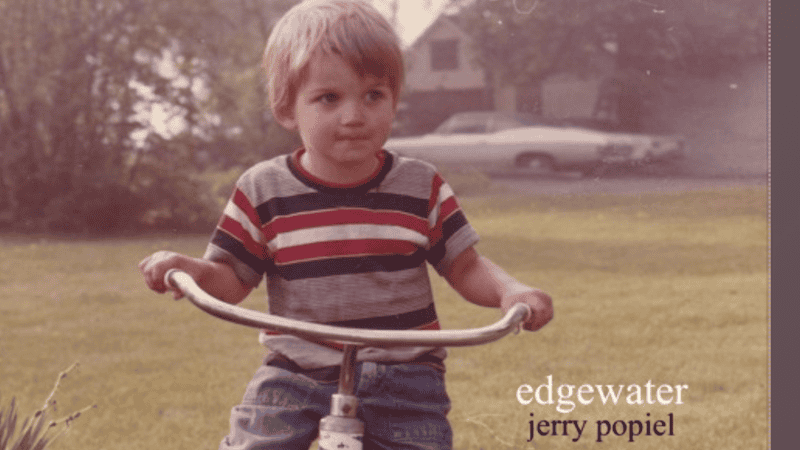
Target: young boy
(342, 231)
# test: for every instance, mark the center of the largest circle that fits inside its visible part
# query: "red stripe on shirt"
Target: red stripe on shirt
(436, 186)
(449, 206)
(237, 231)
(435, 325)
(333, 249)
(241, 200)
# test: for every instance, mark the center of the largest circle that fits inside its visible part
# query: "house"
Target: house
(443, 78)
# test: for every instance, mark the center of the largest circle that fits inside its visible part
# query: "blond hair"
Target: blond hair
(351, 29)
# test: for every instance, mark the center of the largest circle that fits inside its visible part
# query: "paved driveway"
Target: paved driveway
(632, 184)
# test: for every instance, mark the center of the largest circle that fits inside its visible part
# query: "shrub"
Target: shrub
(37, 431)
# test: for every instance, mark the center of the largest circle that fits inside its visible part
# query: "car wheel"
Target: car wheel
(536, 163)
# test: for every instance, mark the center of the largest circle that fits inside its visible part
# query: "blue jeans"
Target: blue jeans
(403, 406)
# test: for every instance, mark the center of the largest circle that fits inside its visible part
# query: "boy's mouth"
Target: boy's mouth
(353, 137)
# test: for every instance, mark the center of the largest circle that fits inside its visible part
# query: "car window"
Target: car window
(461, 124)
(469, 129)
(504, 123)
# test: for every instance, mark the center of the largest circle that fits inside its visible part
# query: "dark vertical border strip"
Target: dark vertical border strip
(785, 226)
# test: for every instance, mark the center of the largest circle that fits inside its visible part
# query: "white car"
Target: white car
(487, 139)
(648, 149)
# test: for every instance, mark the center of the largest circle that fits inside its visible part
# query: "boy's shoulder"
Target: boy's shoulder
(413, 175)
(409, 163)
(405, 166)
(273, 165)
(269, 178)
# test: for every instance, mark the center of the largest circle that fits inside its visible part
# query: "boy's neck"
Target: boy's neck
(339, 176)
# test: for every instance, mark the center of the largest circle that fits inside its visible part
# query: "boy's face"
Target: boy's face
(343, 119)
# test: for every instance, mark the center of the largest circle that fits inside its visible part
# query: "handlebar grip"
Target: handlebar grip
(168, 278)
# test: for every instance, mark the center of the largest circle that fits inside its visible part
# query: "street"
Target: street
(630, 184)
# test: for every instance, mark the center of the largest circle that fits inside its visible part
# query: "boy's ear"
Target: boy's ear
(285, 117)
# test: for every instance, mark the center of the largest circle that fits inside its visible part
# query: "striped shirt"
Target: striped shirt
(343, 255)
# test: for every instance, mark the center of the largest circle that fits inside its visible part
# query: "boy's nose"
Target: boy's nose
(352, 113)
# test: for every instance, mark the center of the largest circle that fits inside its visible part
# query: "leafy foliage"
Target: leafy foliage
(109, 109)
(661, 37)
(645, 44)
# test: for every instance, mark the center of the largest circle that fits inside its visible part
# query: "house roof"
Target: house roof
(448, 15)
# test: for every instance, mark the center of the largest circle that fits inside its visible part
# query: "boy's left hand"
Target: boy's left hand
(538, 301)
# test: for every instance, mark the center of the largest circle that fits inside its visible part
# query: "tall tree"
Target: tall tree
(662, 36)
(523, 41)
(80, 81)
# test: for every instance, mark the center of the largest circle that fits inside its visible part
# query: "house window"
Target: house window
(444, 54)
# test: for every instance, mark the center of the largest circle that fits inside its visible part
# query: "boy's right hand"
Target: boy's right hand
(217, 279)
(155, 266)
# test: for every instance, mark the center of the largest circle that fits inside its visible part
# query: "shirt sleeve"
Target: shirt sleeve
(449, 231)
(239, 240)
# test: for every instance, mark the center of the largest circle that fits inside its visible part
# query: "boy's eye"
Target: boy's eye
(330, 97)
(375, 94)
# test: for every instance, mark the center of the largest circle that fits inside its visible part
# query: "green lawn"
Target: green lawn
(658, 288)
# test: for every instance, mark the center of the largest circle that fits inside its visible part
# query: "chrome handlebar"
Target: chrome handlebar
(348, 336)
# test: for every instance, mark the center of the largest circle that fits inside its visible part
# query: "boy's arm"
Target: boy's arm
(216, 278)
(484, 283)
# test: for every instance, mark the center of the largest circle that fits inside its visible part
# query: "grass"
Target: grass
(667, 288)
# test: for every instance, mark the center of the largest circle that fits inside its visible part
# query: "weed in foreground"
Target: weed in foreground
(36, 432)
